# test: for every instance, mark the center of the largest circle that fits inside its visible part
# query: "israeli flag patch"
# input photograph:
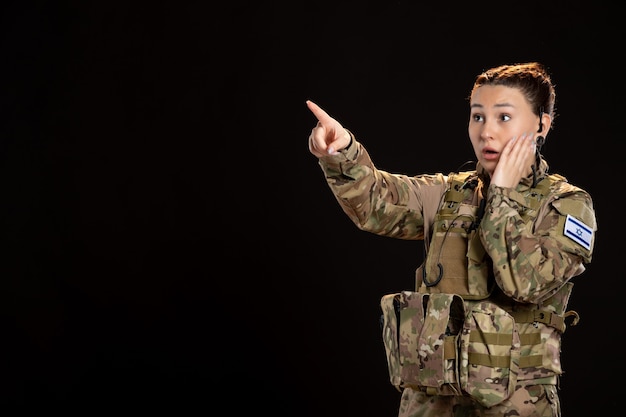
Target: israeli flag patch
(578, 231)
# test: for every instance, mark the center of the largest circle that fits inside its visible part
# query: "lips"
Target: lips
(490, 154)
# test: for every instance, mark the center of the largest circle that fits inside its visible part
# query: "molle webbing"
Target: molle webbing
(529, 316)
(499, 339)
(450, 349)
(457, 193)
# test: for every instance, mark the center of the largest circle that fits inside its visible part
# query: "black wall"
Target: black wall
(168, 241)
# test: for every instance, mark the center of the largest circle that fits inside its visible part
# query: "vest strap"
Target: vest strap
(492, 361)
(546, 317)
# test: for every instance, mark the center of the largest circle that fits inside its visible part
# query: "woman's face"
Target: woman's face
(498, 114)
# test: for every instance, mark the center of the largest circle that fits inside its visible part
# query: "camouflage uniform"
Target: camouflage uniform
(481, 333)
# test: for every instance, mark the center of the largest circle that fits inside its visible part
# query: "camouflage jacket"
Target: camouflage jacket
(524, 249)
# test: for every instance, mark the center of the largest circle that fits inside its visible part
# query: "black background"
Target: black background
(168, 241)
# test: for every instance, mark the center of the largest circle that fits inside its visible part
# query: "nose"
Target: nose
(486, 131)
(485, 135)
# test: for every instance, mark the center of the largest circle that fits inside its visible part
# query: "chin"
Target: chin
(489, 166)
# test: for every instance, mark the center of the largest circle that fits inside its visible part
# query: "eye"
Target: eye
(477, 117)
(505, 117)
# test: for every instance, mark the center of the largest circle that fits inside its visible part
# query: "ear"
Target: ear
(546, 122)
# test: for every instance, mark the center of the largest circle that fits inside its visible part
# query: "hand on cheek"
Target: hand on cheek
(515, 161)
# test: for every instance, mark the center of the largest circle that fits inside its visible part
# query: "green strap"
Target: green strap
(492, 338)
(449, 347)
(546, 317)
(503, 361)
(455, 196)
(505, 339)
(492, 361)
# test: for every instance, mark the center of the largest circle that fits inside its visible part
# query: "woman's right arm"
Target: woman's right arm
(376, 201)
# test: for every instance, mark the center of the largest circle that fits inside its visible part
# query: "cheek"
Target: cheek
(518, 129)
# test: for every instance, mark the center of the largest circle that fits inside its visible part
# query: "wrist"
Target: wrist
(350, 138)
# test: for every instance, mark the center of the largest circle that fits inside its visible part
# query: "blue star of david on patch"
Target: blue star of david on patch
(578, 231)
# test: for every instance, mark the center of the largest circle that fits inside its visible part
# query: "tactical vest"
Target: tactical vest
(455, 262)
(448, 337)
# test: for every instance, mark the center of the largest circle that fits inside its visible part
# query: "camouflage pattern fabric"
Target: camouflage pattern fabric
(512, 267)
(420, 334)
(490, 354)
(526, 401)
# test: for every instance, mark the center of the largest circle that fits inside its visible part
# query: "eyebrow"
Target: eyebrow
(475, 105)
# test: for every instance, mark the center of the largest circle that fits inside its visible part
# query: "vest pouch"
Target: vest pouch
(420, 334)
(437, 346)
(490, 353)
(402, 322)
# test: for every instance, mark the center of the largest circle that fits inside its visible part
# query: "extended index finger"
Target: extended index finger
(317, 111)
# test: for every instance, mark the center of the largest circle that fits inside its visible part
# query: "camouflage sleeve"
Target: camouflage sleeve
(533, 261)
(376, 201)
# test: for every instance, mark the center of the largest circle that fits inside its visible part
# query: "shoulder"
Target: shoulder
(571, 200)
(561, 188)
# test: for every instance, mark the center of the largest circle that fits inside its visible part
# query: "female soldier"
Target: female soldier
(481, 333)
